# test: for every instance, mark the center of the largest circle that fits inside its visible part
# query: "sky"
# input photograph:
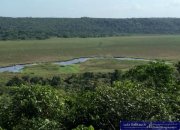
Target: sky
(90, 8)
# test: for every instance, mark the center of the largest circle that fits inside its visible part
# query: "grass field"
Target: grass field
(50, 69)
(56, 49)
(95, 65)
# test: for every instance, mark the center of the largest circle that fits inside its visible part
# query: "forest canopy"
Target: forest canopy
(43, 28)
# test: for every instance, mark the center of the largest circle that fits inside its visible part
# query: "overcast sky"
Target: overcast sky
(90, 8)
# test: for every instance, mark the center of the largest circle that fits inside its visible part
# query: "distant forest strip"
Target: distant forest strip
(43, 28)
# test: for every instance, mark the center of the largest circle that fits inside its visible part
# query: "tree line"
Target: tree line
(43, 28)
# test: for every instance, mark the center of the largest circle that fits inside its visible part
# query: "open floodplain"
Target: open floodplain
(161, 47)
(165, 47)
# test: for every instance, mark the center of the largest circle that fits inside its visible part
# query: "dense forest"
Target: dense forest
(91, 101)
(43, 28)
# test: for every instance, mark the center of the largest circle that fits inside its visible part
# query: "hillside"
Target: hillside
(43, 28)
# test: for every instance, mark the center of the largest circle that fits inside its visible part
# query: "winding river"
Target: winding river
(18, 68)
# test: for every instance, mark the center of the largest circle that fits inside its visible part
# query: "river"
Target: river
(19, 68)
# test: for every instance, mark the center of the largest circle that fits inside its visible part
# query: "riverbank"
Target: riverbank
(20, 67)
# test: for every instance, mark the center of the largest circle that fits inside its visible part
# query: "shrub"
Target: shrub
(29, 103)
(107, 106)
(157, 75)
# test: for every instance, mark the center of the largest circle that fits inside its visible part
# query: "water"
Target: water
(19, 68)
(74, 61)
(132, 59)
(15, 68)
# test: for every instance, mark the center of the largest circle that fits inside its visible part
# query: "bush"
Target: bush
(157, 75)
(145, 93)
(107, 106)
(15, 81)
(55, 81)
(82, 127)
(6, 109)
(178, 67)
(37, 124)
(31, 103)
(116, 76)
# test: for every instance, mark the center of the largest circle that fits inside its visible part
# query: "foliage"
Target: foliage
(105, 107)
(43, 28)
(157, 75)
(97, 100)
(55, 81)
(178, 67)
(15, 81)
(82, 127)
(6, 120)
(37, 124)
(1, 128)
(116, 76)
(84, 81)
(32, 102)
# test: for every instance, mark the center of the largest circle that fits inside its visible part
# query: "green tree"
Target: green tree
(30, 103)
(116, 76)
(107, 106)
(15, 81)
(82, 127)
(178, 67)
(56, 81)
(157, 75)
(37, 124)
(6, 116)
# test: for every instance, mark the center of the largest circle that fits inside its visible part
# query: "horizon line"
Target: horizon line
(91, 17)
